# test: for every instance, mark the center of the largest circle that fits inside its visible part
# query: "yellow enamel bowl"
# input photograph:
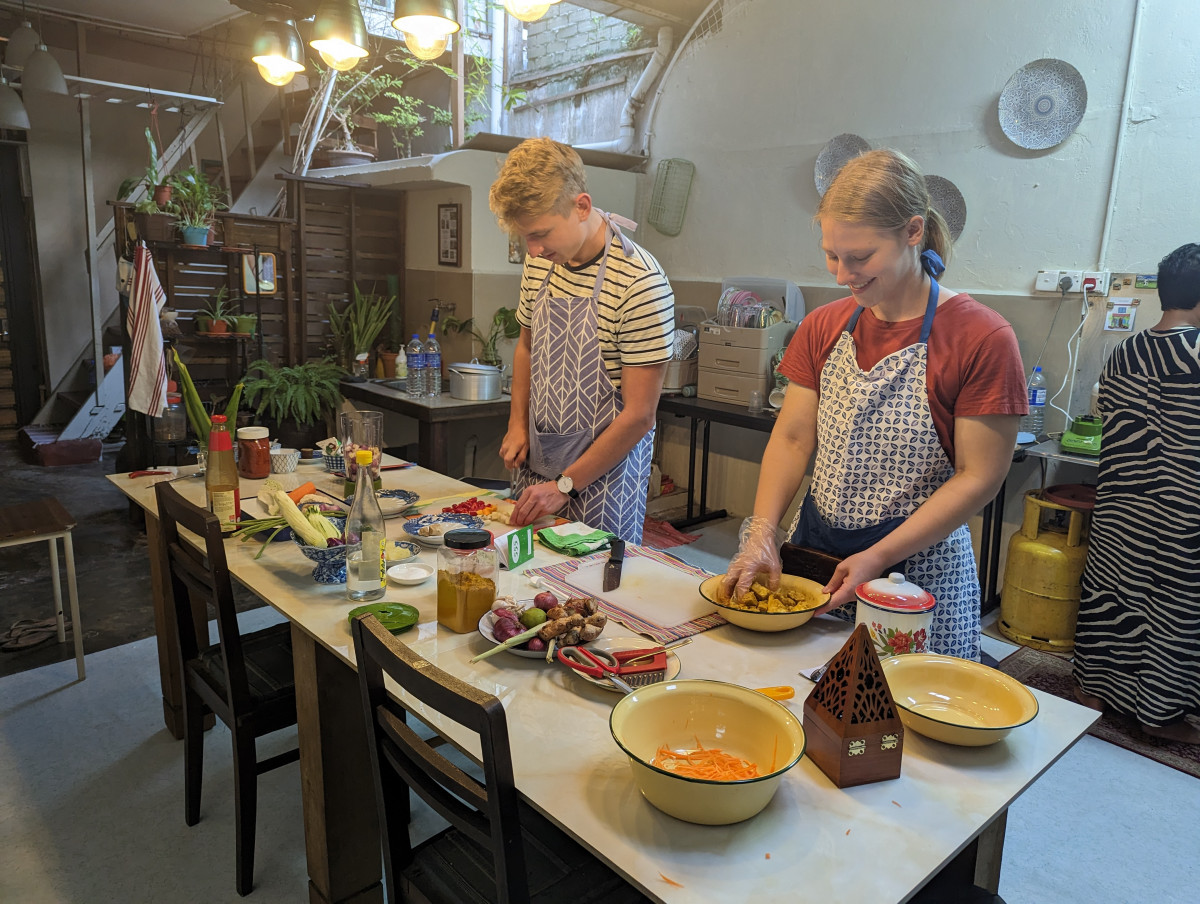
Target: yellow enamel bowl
(955, 700)
(767, 621)
(739, 721)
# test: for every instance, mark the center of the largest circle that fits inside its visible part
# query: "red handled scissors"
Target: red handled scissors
(596, 663)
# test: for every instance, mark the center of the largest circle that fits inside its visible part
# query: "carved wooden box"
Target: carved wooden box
(854, 731)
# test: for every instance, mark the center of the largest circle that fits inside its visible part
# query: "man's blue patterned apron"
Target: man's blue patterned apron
(572, 401)
(878, 459)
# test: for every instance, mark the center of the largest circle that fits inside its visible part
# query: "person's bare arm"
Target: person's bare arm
(515, 446)
(983, 453)
(640, 390)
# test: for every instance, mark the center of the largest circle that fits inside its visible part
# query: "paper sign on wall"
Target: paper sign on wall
(1119, 317)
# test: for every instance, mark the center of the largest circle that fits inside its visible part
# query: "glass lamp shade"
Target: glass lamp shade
(426, 47)
(21, 44)
(12, 112)
(427, 25)
(527, 10)
(339, 34)
(42, 73)
(278, 51)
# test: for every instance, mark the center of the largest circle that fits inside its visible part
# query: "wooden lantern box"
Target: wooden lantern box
(854, 731)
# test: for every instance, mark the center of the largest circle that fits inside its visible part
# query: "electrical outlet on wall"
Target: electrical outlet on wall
(1102, 278)
(1076, 277)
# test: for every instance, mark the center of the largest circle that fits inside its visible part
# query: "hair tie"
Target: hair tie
(931, 263)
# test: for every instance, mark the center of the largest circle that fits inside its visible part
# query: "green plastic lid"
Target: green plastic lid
(396, 617)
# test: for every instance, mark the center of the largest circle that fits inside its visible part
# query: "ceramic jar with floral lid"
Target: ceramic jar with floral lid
(897, 612)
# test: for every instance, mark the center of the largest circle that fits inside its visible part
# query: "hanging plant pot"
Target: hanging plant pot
(155, 227)
(162, 195)
(195, 235)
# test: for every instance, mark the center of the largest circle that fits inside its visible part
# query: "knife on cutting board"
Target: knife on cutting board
(612, 569)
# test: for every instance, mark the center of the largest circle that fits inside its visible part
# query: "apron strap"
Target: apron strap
(931, 263)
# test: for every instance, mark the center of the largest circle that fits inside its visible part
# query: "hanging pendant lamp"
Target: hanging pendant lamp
(339, 34)
(42, 73)
(21, 43)
(278, 51)
(427, 26)
(528, 10)
(12, 112)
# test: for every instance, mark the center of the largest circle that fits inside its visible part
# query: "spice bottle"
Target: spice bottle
(366, 577)
(466, 584)
(254, 452)
(220, 476)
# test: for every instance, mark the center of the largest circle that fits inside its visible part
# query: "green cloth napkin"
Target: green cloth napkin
(574, 539)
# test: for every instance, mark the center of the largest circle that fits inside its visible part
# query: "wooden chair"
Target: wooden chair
(497, 849)
(246, 680)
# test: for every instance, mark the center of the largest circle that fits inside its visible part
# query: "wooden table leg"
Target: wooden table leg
(989, 854)
(341, 825)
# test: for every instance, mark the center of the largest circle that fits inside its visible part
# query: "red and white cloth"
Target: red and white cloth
(147, 363)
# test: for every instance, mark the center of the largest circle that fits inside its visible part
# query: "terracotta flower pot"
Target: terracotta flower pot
(218, 326)
(162, 195)
(388, 360)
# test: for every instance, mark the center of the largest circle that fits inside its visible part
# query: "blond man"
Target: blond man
(597, 322)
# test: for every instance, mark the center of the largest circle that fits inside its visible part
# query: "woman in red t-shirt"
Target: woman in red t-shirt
(909, 394)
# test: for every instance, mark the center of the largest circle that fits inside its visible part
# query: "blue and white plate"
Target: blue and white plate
(452, 521)
(392, 502)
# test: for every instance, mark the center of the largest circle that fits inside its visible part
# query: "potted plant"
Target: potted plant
(356, 327)
(504, 326)
(157, 188)
(195, 201)
(245, 324)
(299, 400)
(216, 317)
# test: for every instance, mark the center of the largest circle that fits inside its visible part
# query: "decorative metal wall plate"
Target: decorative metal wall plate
(1042, 104)
(947, 200)
(837, 152)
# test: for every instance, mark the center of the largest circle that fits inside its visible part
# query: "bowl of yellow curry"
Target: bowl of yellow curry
(763, 609)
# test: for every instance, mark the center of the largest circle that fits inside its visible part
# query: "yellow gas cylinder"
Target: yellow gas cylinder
(1040, 600)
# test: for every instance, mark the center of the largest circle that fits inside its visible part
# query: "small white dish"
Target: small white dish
(410, 573)
(413, 526)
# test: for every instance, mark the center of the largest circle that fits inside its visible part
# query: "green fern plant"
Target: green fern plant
(304, 394)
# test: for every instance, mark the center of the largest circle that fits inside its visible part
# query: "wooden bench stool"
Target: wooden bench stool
(46, 519)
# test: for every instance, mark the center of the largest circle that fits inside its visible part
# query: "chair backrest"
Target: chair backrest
(203, 574)
(400, 757)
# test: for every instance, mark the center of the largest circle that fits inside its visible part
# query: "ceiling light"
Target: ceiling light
(113, 100)
(278, 51)
(42, 73)
(339, 34)
(527, 10)
(21, 43)
(427, 26)
(12, 112)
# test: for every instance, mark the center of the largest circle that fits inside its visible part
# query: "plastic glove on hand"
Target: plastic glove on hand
(758, 553)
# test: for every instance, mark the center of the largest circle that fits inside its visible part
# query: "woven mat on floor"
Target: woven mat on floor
(661, 535)
(1052, 674)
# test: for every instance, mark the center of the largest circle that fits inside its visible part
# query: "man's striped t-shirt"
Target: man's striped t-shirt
(635, 312)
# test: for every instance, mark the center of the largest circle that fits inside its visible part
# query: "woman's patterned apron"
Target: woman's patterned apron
(572, 401)
(878, 459)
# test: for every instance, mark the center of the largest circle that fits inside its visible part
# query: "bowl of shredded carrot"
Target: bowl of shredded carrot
(707, 752)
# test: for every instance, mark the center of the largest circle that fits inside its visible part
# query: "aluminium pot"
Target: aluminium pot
(474, 382)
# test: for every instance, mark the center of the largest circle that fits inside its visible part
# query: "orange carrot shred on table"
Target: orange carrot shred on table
(768, 856)
(898, 805)
(847, 831)
(709, 763)
(670, 881)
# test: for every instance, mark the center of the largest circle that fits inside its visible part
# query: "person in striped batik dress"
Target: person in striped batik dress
(1137, 645)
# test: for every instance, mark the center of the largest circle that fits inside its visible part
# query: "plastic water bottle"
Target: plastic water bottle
(415, 358)
(1035, 421)
(365, 534)
(433, 367)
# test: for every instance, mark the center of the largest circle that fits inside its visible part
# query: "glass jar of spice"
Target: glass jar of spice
(254, 452)
(466, 581)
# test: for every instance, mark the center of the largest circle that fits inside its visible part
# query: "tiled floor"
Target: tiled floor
(91, 800)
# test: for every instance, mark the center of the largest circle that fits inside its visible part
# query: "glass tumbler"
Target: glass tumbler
(361, 430)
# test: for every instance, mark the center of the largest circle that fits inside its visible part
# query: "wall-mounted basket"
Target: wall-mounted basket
(668, 202)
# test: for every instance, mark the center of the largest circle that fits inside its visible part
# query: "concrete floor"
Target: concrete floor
(110, 561)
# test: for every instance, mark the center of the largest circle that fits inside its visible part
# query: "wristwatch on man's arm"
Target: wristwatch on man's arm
(566, 485)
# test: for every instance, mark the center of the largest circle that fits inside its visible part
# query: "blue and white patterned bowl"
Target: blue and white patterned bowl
(334, 462)
(331, 561)
(413, 526)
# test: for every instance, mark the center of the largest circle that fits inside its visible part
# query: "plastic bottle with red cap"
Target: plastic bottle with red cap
(221, 477)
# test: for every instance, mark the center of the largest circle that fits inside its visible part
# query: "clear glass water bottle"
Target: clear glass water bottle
(366, 536)
(415, 359)
(1035, 421)
(433, 367)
